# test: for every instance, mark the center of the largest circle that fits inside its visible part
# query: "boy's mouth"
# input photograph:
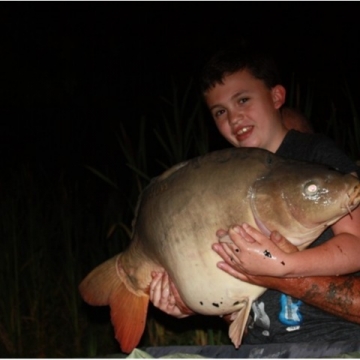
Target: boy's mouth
(243, 130)
(243, 133)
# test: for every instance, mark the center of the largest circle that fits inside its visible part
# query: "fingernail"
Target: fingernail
(277, 235)
(245, 226)
(237, 229)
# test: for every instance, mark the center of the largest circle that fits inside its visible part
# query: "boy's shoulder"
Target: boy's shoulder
(303, 146)
(317, 148)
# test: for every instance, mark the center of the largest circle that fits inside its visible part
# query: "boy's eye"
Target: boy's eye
(243, 100)
(219, 112)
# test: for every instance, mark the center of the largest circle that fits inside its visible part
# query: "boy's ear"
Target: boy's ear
(278, 93)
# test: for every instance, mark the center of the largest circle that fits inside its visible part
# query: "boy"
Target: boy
(244, 95)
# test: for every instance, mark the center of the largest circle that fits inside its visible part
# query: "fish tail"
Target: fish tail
(103, 286)
(98, 285)
(128, 315)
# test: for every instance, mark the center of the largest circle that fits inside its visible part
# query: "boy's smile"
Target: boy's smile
(246, 111)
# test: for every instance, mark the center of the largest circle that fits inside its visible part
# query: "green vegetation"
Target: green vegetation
(56, 228)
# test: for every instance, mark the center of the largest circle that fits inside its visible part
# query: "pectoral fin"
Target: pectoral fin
(237, 327)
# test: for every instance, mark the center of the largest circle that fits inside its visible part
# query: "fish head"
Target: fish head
(301, 199)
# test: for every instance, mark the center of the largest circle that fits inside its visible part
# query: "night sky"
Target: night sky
(71, 72)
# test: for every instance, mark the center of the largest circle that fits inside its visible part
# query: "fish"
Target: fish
(175, 224)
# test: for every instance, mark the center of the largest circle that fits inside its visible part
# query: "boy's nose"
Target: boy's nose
(235, 117)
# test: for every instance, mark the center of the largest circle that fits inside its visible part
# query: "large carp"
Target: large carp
(178, 215)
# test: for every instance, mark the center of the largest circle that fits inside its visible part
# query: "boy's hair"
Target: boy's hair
(236, 58)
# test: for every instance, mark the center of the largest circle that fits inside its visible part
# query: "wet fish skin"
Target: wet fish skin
(176, 221)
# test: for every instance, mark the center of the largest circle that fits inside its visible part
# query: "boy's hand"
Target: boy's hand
(164, 296)
(246, 251)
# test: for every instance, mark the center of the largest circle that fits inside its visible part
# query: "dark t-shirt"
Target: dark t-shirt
(279, 318)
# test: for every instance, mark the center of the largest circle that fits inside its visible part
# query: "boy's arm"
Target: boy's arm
(338, 295)
(340, 254)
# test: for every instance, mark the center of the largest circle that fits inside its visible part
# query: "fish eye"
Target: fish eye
(311, 188)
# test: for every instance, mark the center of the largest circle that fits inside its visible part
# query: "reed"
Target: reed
(44, 225)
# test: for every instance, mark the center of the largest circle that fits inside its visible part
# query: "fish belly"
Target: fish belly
(205, 288)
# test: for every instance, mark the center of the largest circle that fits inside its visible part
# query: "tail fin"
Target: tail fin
(103, 286)
(98, 285)
(128, 315)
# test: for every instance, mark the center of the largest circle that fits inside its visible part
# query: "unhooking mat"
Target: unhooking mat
(318, 349)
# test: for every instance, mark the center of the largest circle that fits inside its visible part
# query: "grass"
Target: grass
(56, 227)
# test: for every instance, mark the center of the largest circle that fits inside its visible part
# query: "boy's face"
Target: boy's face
(246, 111)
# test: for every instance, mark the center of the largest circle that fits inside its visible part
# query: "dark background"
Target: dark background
(71, 72)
